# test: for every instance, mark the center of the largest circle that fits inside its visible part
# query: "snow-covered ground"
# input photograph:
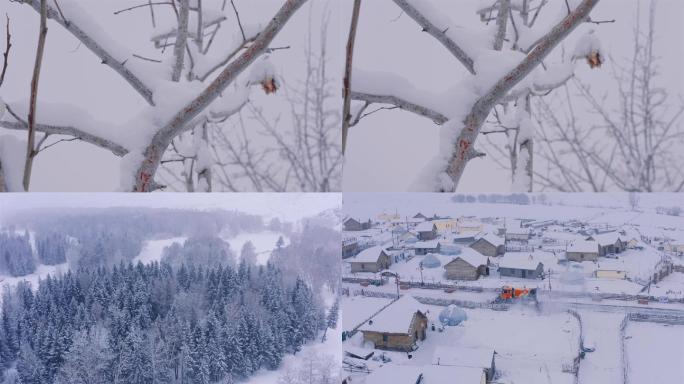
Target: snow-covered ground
(672, 286)
(152, 249)
(655, 353)
(41, 272)
(604, 365)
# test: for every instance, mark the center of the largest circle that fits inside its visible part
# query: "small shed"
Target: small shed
(521, 265)
(517, 233)
(489, 245)
(582, 250)
(469, 265)
(397, 327)
(373, 259)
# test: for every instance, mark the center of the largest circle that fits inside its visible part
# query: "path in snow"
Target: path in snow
(602, 331)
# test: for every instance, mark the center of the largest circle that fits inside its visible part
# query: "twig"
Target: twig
(146, 58)
(30, 149)
(346, 90)
(149, 4)
(237, 15)
(61, 14)
(7, 50)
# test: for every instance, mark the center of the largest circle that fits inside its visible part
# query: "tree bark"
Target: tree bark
(346, 107)
(30, 147)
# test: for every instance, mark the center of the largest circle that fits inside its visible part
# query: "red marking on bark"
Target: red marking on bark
(463, 145)
(145, 181)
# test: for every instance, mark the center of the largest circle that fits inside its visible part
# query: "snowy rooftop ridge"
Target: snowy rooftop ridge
(427, 374)
(519, 260)
(396, 318)
(493, 239)
(368, 255)
(463, 356)
(583, 246)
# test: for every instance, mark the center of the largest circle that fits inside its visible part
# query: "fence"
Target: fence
(575, 367)
(623, 350)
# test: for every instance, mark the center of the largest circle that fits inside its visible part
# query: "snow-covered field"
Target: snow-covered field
(604, 365)
(152, 249)
(41, 272)
(671, 286)
(264, 242)
(655, 353)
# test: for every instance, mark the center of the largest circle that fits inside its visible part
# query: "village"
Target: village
(461, 296)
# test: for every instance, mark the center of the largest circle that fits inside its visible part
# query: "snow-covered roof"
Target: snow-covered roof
(519, 260)
(583, 246)
(608, 238)
(396, 317)
(517, 231)
(469, 223)
(472, 257)
(492, 239)
(425, 244)
(463, 357)
(430, 374)
(368, 255)
(425, 226)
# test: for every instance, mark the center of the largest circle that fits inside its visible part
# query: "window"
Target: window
(384, 337)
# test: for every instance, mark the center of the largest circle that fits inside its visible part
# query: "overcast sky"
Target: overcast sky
(286, 206)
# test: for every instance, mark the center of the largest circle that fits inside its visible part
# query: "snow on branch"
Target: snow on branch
(464, 142)
(411, 8)
(72, 23)
(148, 162)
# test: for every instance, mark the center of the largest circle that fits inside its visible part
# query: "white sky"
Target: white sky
(286, 206)
(389, 147)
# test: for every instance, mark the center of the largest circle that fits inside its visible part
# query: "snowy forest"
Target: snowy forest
(202, 312)
(516, 96)
(182, 95)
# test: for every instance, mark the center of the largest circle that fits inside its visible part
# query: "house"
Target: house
(373, 259)
(517, 233)
(425, 247)
(582, 250)
(481, 358)
(445, 225)
(522, 265)
(426, 230)
(468, 225)
(489, 245)
(420, 216)
(408, 237)
(350, 247)
(425, 374)
(609, 242)
(465, 239)
(398, 326)
(351, 224)
(469, 265)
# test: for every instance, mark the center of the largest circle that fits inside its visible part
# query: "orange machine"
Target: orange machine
(510, 293)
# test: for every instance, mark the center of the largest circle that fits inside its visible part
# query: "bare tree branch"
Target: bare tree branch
(30, 148)
(437, 33)
(7, 51)
(144, 178)
(346, 85)
(482, 107)
(181, 40)
(421, 110)
(107, 59)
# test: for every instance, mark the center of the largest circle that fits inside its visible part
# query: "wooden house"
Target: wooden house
(521, 265)
(609, 242)
(351, 224)
(373, 259)
(489, 245)
(469, 265)
(582, 250)
(399, 326)
(426, 230)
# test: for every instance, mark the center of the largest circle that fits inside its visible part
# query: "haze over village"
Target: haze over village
(512, 288)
